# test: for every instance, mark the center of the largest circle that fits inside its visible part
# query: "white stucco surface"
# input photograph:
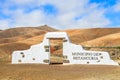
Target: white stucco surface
(74, 54)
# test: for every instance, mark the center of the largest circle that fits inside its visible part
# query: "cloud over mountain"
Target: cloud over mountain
(61, 14)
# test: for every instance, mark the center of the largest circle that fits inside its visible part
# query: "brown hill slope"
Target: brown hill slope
(108, 40)
(21, 37)
(21, 33)
(46, 28)
(82, 35)
(77, 36)
(13, 32)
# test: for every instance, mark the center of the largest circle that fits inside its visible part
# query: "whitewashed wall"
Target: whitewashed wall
(76, 55)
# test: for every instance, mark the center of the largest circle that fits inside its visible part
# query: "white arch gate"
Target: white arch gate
(73, 54)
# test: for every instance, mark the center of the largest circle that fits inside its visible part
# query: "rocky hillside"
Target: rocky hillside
(23, 37)
(22, 33)
(82, 35)
(13, 32)
(108, 40)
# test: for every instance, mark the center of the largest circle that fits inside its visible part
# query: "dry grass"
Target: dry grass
(58, 72)
(82, 35)
(13, 32)
(109, 40)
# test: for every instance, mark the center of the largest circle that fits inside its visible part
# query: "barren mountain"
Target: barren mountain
(108, 40)
(78, 36)
(81, 35)
(23, 37)
(13, 32)
(22, 33)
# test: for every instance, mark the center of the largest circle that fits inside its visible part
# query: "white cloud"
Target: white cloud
(22, 1)
(66, 6)
(89, 13)
(117, 7)
(69, 9)
(94, 19)
(4, 24)
(34, 18)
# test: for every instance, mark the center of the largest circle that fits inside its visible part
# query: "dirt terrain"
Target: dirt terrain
(58, 72)
(22, 38)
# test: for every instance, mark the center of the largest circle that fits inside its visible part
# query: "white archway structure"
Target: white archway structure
(73, 54)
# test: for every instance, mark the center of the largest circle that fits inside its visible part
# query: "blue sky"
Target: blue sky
(60, 14)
